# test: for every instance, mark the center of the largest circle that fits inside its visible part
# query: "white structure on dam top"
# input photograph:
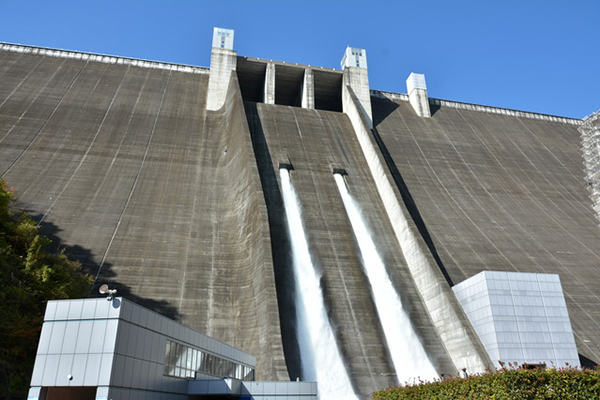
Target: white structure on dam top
(223, 60)
(417, 94)
(356, 77)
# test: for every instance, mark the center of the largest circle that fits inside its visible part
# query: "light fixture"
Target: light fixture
(105, 290)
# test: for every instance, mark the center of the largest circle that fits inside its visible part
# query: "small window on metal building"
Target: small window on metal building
(534, 366)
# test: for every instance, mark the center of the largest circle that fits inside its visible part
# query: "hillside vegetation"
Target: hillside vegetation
(29, 277)
(507, 383)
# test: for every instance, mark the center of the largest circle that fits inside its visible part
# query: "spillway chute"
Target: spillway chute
(321, 359)
(406, 350)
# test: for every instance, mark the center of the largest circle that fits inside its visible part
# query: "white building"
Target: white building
(520, 317)
(99, 350)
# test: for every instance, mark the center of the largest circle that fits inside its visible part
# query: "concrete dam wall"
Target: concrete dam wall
(316, 143)
(179, 205)
(499, 192)
(123, 167)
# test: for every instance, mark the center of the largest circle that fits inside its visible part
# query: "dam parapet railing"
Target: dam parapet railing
(143, 63)
(481, 108)
(102, 58)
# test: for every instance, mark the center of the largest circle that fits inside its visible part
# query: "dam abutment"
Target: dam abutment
(244, 227)
(280, 241)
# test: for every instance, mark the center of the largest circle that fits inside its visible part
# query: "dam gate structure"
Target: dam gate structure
(164, 181)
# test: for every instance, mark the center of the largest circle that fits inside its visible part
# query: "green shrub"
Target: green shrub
(29, 277)
(507, 383)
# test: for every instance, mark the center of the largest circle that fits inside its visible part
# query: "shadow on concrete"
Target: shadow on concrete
(433, 108)
(107, 275)
(280, 241)
(410, 203)
(587, 363)
(384, 108)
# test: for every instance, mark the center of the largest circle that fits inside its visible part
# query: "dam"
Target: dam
(164, 181)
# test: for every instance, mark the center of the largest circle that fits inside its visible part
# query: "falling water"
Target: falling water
(320, 356)
(409, 357)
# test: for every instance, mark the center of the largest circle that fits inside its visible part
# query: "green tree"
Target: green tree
(29, 277)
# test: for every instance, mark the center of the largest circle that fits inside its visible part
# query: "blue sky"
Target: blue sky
(529, 55)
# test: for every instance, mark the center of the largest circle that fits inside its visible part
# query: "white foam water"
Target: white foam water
(320, 357)
(408, 355)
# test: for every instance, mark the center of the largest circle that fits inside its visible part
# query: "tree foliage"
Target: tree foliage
(29, 277)
(507, 383)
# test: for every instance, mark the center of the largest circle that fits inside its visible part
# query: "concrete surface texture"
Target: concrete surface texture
(498, 192)
(308, 89)
(456, 334)
(269, 96)
(117, 165)
(222, 62)
(358, 80)
(590, 136)
(180, 208)
(315, 143)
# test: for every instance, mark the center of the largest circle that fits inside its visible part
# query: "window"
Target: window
(184, 362)
(534, 366)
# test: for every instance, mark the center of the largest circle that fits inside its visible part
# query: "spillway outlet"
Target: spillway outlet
(338, 170)
(286, 165)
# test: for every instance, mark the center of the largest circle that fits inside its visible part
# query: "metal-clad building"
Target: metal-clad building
(116, 349)
(521, 318)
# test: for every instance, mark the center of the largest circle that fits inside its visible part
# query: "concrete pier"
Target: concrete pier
(354, 64)
(269, 96)
(417, 94)
(308, 89)
(222, 62)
